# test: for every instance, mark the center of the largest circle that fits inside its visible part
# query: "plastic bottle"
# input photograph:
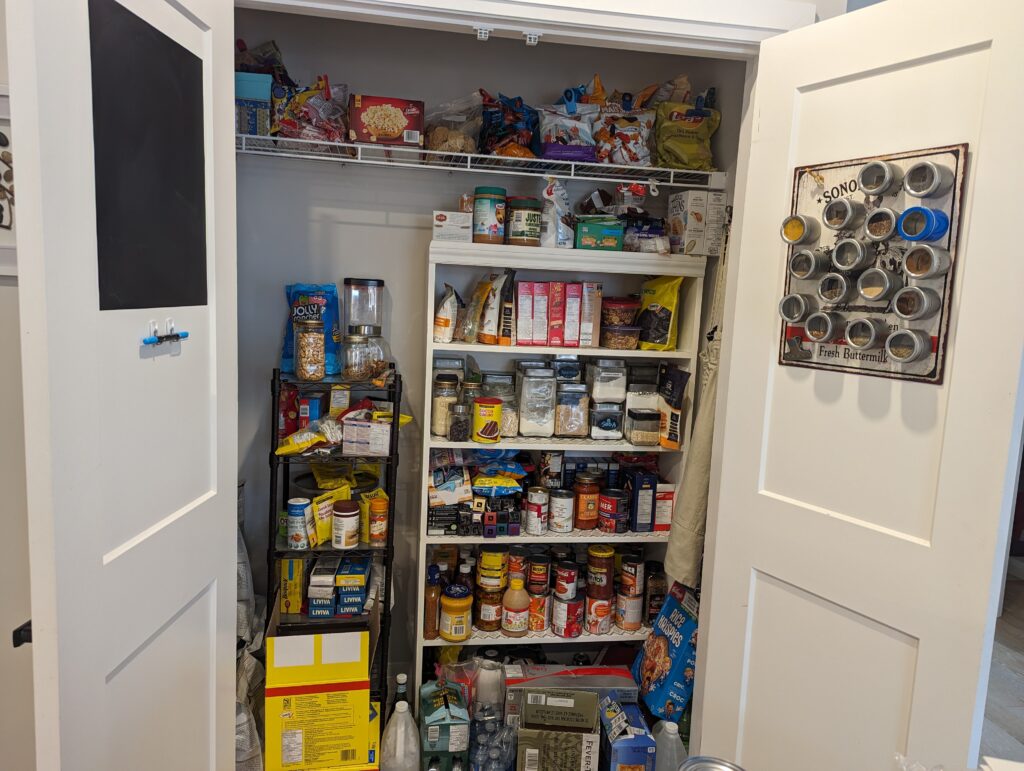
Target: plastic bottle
(431, 604)
(442, 568)
(465, 576)
(669, 749)
(515, 610)
(401, 691)
(400, 746)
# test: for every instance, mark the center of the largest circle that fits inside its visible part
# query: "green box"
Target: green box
(599, 232)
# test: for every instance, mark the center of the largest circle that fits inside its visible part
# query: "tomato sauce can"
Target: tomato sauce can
(517, 561)
(631, 578)
(538, 573)
(566, 576)
(561, 509)
(629, 612)
(540, 611)
(567, 617)
(599, 615)
(536, 511)
(613, 511)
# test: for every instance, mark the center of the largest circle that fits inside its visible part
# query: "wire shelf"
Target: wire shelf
(407, 157)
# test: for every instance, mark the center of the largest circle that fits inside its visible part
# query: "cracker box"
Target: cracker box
(560, 731)
(293, 579)
(642, 487)
(318, 713)
(524, 313)
(573, 300)
(590, 314)
(453, 226)
(385, 120)
(664, 506)
(556, 313)
(626, 741)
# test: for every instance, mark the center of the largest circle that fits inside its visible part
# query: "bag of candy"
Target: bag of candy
(318, 302)
(509, 121)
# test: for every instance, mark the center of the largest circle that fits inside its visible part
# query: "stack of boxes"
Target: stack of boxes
(338, 586)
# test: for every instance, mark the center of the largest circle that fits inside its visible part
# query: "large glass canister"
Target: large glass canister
(364, 303)
(537, 403)
(366, 355)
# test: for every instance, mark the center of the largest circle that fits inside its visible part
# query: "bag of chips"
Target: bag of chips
(624, 139)
(682, 136)
(509, 121)
(318, 302)
(567, 131)
(665, 666)
(659, 301)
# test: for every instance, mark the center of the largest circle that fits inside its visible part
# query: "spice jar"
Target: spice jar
(445, 394)
(571, 410)
(798, 229)
(486, 419)
(489, 215)
(488, 609)
(456, 613)
(606, 421)
(366, 354)
(643, 427)
(524, 221)
(310, 359)
(379, 521)
(587, 492)
(460, 423)
(537, 403)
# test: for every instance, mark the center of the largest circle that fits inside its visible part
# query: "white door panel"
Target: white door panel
(861, 522)
(130, 449)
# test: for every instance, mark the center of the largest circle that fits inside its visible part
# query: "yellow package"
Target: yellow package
(300, 441)
(682, 142)
(331, 476)
(293, 585)
(364, 512)
(341, 397)
(323, 511)
(659, 305)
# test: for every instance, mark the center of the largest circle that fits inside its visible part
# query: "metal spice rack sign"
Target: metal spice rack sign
(870, 263)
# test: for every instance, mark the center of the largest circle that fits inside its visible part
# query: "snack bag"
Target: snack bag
(446, 315)
(454, 127)
(567, 131)
(588, 93)
(666, 665)
(682, 136)
(659, 302)
(624, 138)
(313, 301)
(509, 121)
(556, 226)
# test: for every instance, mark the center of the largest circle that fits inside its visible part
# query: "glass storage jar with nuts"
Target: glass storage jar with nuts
(310, 351)
(366, 354)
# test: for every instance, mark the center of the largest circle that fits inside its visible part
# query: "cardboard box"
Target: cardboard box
(353, 571)
(626, 741)
(366, 437)
(453, 226)
(590, 314)
(324, 571)
(714, 224)
(449, 487)
(560, 731)
(556, 313)
(642, 487)
(599, 232)
(318, 702)
(599, 680)
(293, 589)
(664, 506)
(696, 222)
(524, 313)
(385, 120)
(573, 300)
(540, 313)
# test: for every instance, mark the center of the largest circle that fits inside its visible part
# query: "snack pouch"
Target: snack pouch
(659, 301)
(509, 121)
(624, 138)
(665, 666)
(454, 127)
(567, 131)
(446, 315)
(682, 141)
(556, 228)
(313, 301)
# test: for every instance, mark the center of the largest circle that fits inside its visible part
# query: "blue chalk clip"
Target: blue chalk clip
(160, 339)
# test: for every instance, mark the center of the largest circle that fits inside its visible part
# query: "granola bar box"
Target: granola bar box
(385, 120)
(665, 666)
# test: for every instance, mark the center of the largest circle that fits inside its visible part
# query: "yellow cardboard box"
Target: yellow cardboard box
(293, 585)
(318, 713)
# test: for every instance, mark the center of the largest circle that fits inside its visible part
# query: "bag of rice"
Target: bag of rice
(659, 301)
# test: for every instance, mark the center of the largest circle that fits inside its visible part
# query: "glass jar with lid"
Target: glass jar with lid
(310, 349)
(500, 386)
(470, 391)
(609, 384)
(606, 421)
(460, 423)
(364, 303)
(366, 353)
(444, 395)
(537, 403)
(641, 396)
(643, 427)
(571, 410)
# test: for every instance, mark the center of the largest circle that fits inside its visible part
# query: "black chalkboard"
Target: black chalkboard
(147, 104)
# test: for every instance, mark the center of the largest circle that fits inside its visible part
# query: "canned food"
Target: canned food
(560, 553)
(612, 523)
(561, 509)
(567, 617)
(494, 557)
(487, 419)
(538, 572)
(599, 615)
(631, 580)
(491, 579)
(536, 511)
(600, 571)
(517, 561)
(297, 510)
(629, 611)
(540, 611)
(566, 576)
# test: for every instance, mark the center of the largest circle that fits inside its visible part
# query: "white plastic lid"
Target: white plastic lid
(402, 706)
(401, 678)
(672, 728)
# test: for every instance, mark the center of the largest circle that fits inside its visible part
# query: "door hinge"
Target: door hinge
(23, 634)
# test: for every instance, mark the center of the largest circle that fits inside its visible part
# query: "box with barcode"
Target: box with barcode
(560, 731)
(385, 120)
(444, 722)
(599, 680)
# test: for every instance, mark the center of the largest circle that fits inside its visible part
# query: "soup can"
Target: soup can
(566, 576)
(540, 611)
(567, 617)
(517, 561)
(536, 511)
(561, 509)
(599, 615)
(629, 612)
(538, 573)
(613, 510)
(631, 578)
(600, 571)
(297, 509)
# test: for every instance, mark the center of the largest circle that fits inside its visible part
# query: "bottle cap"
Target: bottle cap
(402, 706)
(517, 583)
(401, 678)
(672, 728)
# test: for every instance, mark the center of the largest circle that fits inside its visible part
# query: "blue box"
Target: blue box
(320, 602)
(633, 749)
(253, 86)
(642, 487)
(321, 612)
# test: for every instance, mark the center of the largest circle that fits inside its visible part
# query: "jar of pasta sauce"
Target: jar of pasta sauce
(588, 490)
(488, 609)
(600, 571)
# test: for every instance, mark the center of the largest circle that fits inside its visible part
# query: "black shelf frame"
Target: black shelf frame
(281, 484)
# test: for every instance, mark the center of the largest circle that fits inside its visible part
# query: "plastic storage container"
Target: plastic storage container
(400, 745)
(571, 410)
(364, 303)
(643, 427)
(620, 338)
(619, 311)
(537, 403)
(608, 384)
(606, 421)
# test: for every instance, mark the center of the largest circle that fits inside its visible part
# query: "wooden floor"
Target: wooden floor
(1003, 733)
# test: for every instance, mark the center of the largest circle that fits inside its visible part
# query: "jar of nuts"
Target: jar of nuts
(310, 359)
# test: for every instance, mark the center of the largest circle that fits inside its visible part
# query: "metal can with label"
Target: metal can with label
(494, 557)
(517, 561)
(631, 577)
(536, 511)
(629, 611)
(599, 615)
(567, 617)
(566, 576)
(600, 571)
(561, 509)
(613, 510)
(538, 573)
(540, 611)
(297, 509)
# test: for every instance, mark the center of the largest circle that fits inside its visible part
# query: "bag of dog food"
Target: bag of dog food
(666, 664)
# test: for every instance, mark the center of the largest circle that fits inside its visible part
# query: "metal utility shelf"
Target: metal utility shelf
(407, 157)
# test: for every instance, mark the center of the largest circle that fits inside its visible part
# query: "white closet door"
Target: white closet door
(855, 567)
(131, 448)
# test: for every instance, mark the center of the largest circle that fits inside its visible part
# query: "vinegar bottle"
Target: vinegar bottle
(515, 610)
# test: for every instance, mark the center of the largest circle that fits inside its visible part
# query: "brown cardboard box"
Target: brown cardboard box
(385, 120)
(560, 731)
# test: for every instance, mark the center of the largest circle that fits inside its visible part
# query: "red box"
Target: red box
(573, 301)
(540, 313)
(556, 313)
(384, 120)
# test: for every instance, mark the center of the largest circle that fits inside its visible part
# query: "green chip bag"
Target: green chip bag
(682, 142)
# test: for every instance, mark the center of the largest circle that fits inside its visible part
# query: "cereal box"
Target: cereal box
(666, 664)
(385, 120)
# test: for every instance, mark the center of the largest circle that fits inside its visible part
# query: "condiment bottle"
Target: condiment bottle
(379, 521)
(431, 603)
(442, 568)
(465, 576)
(515, 610)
